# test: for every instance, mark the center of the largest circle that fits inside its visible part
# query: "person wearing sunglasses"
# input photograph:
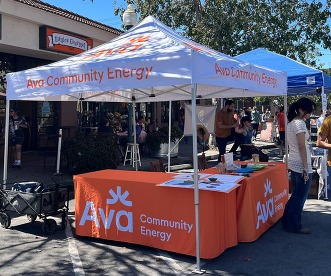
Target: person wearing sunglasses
(16, 135)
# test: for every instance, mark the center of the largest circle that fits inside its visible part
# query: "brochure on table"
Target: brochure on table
(228, 158)
(222, 183)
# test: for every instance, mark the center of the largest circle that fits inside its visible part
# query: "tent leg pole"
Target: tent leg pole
(135, 152)
(196, 188)
(59, 145)
(5, 154)
(286, 144)
(169, 136)
(325, 153)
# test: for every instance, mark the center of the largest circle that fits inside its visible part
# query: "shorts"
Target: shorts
(16, 140)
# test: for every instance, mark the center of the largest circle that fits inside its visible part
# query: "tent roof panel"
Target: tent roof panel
(149, 57)
(302, 79)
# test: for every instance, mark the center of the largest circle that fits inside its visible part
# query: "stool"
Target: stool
(130, 154)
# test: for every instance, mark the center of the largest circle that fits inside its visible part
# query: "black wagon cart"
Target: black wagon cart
(35, 200)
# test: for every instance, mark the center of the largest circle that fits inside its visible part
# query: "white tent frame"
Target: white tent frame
(210, 86)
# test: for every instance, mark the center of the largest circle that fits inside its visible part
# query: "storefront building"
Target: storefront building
(34, 33)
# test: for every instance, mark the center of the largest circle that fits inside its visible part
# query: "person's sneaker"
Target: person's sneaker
(304, 230)
(16, 165)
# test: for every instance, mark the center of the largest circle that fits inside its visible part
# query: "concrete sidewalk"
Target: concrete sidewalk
(276, 253)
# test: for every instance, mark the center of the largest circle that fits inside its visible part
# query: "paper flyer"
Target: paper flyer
(219, 183)
(189, 176)
(219, 187)
(227, 178)
(179, 183)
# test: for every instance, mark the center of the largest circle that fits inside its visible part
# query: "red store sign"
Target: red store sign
(56, 40)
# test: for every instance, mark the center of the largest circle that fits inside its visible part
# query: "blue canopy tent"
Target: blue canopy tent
(301, 79)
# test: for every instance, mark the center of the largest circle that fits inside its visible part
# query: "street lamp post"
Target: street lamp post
(129, 17)
(129, 20)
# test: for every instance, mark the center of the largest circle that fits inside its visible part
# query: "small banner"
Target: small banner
(205, 116)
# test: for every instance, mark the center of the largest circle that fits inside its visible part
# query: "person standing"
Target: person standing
(321, 118)
(281, 125)
(299, 164)
(324, 142)
(246, 112)
(266, 115)
(16, 135)
(255, 122)
(141, 133)
(224, 124)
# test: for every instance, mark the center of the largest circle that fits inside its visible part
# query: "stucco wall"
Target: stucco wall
(20, 30)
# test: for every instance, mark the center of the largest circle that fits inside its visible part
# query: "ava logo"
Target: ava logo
(131, 45)
(91, 214)
(222, 71)
(201, 115)
(266, 209)
(267, 188)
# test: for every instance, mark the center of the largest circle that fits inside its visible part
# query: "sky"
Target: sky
(103, 11)
(100, 10)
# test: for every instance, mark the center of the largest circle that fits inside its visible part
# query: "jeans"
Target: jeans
(328, 185)
(221, 144)
(238, 140)
(292, 215)
(255, 127)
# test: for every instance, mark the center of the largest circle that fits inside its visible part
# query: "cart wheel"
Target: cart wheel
(64, 222)
(31, 218)
(5, 220)
(49, 226)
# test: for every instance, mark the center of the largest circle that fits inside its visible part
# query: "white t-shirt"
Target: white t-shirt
(319, 122)
(294, 160)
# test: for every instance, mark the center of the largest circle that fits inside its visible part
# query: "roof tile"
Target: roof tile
(70, 15)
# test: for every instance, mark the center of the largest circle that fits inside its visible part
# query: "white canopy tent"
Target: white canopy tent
(148, 63)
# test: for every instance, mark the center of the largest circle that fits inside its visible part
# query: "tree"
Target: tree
(6, 66)
(294, 28)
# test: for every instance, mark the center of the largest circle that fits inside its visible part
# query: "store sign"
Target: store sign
(61, 41)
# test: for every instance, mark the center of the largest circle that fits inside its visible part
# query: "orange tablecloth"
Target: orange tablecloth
(128, 206)
(261, 200)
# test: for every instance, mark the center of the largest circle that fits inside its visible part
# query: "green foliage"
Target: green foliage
(294, 28)
(157, 137)
(316, 98)
(5, 68)
(87, 152)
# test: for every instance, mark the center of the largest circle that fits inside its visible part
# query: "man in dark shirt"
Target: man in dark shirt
(16, 135)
